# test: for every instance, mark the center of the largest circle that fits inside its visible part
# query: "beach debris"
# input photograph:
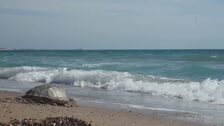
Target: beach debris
(50, 121)
(49, 94)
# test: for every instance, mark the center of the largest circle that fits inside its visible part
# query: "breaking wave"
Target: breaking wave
(209, 90)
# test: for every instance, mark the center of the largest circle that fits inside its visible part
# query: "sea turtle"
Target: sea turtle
(49, 94)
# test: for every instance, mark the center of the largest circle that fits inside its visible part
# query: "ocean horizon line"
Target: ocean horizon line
(81, 49)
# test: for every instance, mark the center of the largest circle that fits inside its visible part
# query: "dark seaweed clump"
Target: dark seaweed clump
(58, 121)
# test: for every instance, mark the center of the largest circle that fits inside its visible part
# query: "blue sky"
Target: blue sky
(112, 24)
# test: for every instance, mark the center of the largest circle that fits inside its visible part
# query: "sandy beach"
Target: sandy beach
(11, 108)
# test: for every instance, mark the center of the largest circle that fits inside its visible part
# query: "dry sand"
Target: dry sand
(10, 108)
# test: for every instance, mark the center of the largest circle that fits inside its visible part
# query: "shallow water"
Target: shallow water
(175, 108)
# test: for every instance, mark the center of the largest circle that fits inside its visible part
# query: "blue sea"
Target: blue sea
(172, 80)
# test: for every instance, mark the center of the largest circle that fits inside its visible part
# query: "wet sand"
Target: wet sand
(10, 108)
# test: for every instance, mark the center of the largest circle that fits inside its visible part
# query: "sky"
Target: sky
(112, 24)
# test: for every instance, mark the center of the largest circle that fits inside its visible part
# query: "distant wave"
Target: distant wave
(212, 58)
(100, 64)
(209, 90)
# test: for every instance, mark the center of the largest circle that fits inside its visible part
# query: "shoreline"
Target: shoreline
(97, 115)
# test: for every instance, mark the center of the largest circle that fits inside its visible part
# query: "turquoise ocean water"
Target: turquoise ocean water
(125, 76)
(178, 64)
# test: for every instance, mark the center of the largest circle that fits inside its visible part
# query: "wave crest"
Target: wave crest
(209, 90)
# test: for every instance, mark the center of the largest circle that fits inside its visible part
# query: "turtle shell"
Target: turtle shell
(48, 92)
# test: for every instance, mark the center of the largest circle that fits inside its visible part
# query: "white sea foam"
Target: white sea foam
(9, 72)
(209, 90)
(161, 109)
